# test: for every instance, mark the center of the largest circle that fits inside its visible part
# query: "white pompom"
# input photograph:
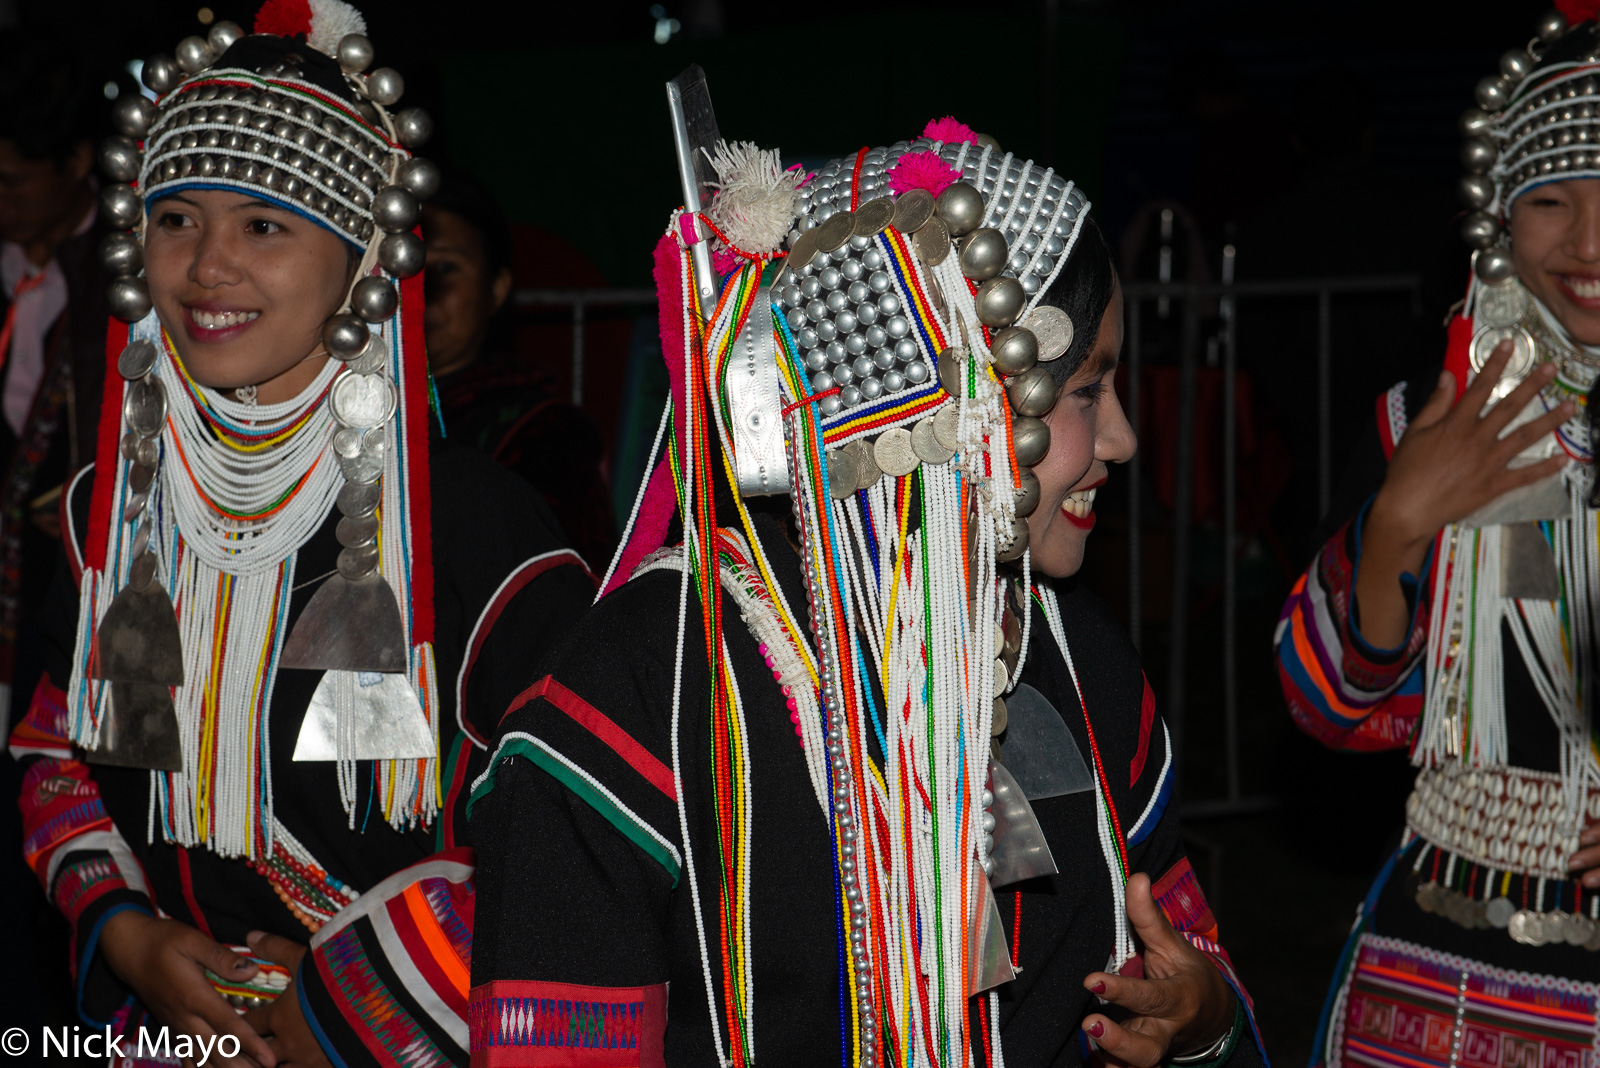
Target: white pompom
(757, 199)
(331, 21)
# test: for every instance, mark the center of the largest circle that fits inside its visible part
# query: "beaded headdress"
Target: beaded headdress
(1537, 121)
(868, 341)
(203, 498)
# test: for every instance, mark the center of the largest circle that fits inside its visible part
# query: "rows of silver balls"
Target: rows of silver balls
(999, 180)
(273, 158)
(843, 793)
(1507, 147)
(851, 328)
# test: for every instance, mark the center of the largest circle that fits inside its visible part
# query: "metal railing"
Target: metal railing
(580, 300)
(1226, 296)
(1192, 297)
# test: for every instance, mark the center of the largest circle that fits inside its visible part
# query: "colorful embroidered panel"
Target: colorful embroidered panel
(1411, 1007)
(564, 1025)
(1179, 895)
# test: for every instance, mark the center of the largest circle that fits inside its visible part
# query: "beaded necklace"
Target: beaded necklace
(239, 488)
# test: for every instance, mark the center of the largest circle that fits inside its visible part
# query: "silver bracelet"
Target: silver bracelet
(1211, 1052)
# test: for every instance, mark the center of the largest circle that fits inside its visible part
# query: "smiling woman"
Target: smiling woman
(1454, 609)
(923, 794)
(295, 618)
(1088, 431)
(244, 286)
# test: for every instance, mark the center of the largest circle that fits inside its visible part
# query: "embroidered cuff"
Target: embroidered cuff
(516, 1024)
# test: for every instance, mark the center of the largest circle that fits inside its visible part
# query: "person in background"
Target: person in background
(1452, 609)
(488, 399)
(52, 341)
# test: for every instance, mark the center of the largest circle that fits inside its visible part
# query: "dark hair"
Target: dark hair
(51, 100)
(1083, 290)
(466, 198)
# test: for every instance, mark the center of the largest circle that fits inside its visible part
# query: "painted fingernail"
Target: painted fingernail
(1097, 1029)
(1099, 988)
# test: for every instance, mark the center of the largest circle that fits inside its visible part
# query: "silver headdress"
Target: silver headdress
(1537, 121)
(199, 486)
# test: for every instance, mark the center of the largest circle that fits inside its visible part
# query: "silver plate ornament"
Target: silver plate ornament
(1021, 850)
(1500, 305)
(141, 730)
(1499, 912)
(363, 401)
(1041, 753)
(1053, 330)
(1486, 341)
(137, 360)
(387, 719)
(144, 406)
(987, 951)
(138, 639)
(348, 626)
(894, 453)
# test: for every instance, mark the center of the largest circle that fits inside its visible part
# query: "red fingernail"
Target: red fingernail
(1097, 1029)
(1099, 988)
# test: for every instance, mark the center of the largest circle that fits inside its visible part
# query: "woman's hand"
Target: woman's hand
(1450, 462)
(280, 1021)
(164, 962)
(1180, 1006)
(1585, 863)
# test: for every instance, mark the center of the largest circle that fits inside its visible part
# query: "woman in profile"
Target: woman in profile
(835, 767)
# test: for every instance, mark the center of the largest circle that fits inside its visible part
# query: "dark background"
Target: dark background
(1316, 140)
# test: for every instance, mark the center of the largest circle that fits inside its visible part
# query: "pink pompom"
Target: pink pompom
(724, 262)
(922, 170)
(948, 130)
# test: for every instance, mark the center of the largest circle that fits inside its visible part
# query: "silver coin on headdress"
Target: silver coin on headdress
(1053, 330)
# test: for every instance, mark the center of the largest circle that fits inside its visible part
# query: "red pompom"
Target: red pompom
(285, 18)
(1577, 11)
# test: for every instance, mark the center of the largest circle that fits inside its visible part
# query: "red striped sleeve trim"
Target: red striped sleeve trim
(1147, 719)
(600, 725)
(422, 953)
(514, 583)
